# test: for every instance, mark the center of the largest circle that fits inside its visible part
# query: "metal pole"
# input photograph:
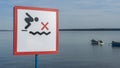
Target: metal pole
(36, 61)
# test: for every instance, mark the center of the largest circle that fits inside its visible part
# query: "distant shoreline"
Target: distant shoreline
(96, 29)
(5, 30)
(91, 29)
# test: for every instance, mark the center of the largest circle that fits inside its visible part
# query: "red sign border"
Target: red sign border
(15, 31)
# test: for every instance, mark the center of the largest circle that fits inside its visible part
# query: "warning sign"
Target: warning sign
(35, 30)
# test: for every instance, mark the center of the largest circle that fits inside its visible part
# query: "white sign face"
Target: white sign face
(35, 30)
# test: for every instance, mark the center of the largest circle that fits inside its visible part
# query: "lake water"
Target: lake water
(75, 51)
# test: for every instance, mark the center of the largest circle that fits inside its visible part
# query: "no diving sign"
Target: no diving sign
(35, 30)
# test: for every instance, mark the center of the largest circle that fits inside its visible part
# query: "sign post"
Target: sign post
(35, 31)
(36, 61)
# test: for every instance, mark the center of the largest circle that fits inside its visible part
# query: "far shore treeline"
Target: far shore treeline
(92, 29)
(86, 29)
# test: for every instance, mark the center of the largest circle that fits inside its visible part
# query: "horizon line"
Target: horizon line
(81, 29)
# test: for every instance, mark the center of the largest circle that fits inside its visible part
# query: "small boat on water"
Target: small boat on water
(95, 42)
(115, 44)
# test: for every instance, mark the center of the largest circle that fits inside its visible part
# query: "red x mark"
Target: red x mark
(44, 26)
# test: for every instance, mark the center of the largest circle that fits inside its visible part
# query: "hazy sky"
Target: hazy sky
(72, 13)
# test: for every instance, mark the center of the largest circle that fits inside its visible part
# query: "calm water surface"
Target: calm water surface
(75, 51)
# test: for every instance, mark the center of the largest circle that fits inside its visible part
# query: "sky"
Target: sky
(72, 13)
